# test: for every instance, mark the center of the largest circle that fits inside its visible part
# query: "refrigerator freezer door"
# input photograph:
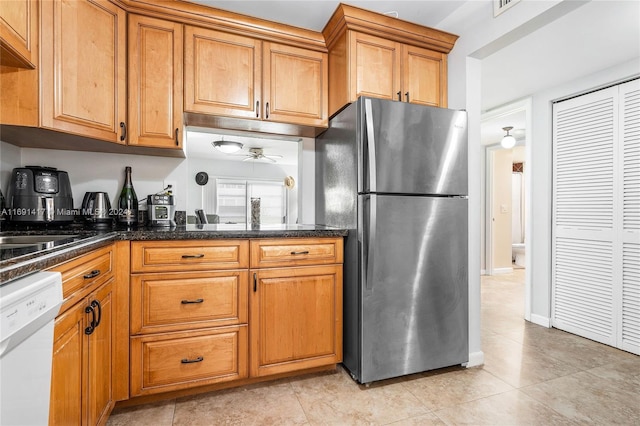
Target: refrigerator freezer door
(414, 312)
(413, 149)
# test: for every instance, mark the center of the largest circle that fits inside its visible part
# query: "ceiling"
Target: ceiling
(315, 14)
(199, 145)
(596, 35)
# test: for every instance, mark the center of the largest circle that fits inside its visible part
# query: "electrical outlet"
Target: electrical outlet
(174, 187)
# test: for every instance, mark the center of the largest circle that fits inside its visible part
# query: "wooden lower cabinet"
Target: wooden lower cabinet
(81, 386)
(296, 319)
(275, 310)
(172, 361)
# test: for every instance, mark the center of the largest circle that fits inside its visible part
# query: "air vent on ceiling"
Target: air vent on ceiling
(500, 6)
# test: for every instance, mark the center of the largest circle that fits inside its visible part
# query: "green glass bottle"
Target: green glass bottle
(128, 202)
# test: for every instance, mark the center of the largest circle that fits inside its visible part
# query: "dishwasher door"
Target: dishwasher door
(28, 307)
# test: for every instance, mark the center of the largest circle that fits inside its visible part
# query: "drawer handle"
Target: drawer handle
(92, 274)
(192, 256)
(96, 304)
(187, 302)
(191, 361)
(295, 253)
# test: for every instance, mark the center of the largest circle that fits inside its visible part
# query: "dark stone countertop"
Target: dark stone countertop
(16, 262)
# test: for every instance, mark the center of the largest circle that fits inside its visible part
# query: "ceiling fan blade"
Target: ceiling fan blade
(266, 157)
(249, 158)
(274, 156)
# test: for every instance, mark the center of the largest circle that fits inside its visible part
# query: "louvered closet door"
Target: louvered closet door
(585, 129)
(629, 321)
(596, 217)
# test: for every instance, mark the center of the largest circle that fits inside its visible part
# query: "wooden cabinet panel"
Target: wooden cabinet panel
(18, 33)
(170, 302)
(295, 85)
(222, 73)
(421, 76)
(173, 361)
(81, 386)
(100, 354)
(83, 77)
(376, 62)
(155, 82)
(270, 253)
(194, 255)
(296, 319)
(69, 368)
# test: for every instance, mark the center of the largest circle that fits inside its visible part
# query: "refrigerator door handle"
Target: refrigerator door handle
(370, 241)
(371, 144)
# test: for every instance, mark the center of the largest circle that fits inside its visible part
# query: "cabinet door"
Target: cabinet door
(295, 85)
(424, 76)
(83, 75)
(18, 33)
(375, 67)
(99, 394)
(155, 82)
(296, 319)
(69, 369)
(222, 73)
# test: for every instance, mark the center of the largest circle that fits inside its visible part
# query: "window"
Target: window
(233, 201)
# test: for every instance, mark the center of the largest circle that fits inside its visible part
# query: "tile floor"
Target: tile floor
(531, 376)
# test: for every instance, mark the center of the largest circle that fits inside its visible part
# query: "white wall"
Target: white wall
(481, 35)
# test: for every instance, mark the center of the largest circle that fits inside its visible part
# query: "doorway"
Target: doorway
(507, 212)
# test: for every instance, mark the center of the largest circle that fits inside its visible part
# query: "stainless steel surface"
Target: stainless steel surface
(418, 149)
(96, 207)
(33, 239)
(395, 176)
(414, 303)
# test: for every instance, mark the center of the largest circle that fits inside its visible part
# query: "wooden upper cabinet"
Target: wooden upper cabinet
(222, 73)
(424, 76)
(295, 85)
(83, 69)
(155, 82)
(376, 63)
(375, 55)
(18, 33)
(242, 77)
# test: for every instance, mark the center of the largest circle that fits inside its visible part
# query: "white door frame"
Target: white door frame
(526, 106)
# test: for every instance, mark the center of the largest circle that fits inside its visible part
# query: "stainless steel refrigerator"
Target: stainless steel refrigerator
(395, 175)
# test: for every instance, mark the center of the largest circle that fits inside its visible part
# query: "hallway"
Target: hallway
(531, 376)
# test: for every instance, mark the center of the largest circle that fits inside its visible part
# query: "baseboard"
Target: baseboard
(540, 320)
(475, 359)
(498, 271)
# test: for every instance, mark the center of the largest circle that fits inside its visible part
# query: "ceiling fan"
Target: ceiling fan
(258, 154)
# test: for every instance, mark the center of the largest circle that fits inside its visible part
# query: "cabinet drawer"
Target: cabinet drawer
(172, 361)
(163, 256)
(178, 301)
(296, 252)
(85, 270)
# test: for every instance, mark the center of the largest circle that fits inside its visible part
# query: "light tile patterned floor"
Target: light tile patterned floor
(532, 376)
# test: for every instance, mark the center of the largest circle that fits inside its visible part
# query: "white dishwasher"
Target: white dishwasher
(28, 307)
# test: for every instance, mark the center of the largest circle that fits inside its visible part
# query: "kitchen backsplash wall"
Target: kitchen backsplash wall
(90, 171)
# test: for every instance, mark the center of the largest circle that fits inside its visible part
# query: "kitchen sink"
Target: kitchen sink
(18, 241)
